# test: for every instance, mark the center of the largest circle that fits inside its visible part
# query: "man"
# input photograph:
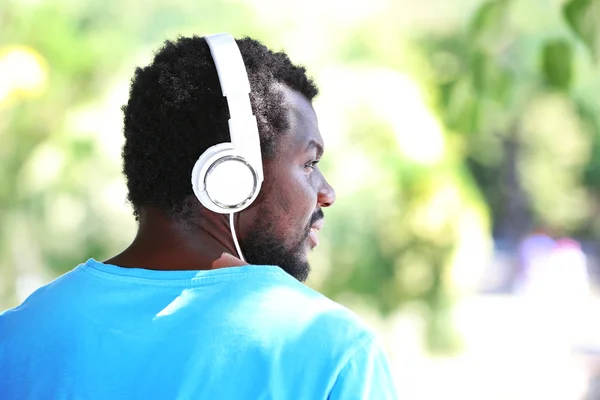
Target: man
(176, 315)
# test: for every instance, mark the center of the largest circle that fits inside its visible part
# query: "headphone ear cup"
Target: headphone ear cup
(230, 182)
(223, 181)
(204, 162)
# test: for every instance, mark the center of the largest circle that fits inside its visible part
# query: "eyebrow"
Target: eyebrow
(316, 145)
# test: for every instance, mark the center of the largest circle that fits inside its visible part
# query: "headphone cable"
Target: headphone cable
(235, 240)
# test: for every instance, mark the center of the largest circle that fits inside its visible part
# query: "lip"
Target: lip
(313, 238)
(312, 235)
(317, 226)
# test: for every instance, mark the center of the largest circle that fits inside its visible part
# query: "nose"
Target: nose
(326, 195)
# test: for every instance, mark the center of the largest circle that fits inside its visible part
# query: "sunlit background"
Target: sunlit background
(463, 140)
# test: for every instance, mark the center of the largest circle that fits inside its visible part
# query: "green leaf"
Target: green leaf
(489, 26)
(489, 77)
(584, 18)
(557, 61)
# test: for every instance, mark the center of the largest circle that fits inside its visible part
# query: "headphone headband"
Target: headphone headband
(235, 86)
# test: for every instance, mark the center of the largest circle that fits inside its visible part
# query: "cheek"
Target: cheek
(299, 196)
(304, 199)
(286, 202)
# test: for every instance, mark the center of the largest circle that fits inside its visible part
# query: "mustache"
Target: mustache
(318, 215)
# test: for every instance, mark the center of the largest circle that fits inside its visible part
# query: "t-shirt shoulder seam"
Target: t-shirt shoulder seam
(363, 344)
(369, 339)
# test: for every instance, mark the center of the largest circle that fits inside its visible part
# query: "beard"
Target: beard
(263, 247)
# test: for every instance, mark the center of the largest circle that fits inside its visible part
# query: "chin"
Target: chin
(272, 252)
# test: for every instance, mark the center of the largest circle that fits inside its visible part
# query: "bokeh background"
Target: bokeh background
(463, 140)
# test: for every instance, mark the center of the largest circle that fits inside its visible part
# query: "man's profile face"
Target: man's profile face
(281, 228)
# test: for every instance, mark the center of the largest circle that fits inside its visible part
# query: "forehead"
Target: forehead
(303, 121)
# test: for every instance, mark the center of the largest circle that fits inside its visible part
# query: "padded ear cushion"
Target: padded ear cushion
(223, 181)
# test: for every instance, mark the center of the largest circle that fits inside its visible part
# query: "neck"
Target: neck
(163, 243)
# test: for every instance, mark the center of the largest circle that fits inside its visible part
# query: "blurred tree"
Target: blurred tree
(582, 16)
(409, 229)
(526, 118)
(47, 221)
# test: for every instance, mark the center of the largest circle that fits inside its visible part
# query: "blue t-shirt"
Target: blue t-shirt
(250, 332)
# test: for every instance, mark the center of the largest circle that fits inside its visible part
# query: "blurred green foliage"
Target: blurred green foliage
(524, 99)
(582, 16)
(440, 133)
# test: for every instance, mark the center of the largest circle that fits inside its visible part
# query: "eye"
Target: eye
(311, 164)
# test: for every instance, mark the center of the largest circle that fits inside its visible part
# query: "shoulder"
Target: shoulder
(304, 308)
(43, 300)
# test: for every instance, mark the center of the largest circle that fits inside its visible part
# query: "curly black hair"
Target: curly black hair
(176, 111)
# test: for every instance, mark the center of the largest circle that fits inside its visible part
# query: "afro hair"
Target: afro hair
(176, 111)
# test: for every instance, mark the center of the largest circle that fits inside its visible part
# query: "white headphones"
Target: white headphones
(227, 177)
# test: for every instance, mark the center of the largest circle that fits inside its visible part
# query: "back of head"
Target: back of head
(176, 111)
